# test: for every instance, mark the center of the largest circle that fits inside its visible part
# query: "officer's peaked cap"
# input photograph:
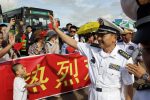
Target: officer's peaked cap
(108, 27)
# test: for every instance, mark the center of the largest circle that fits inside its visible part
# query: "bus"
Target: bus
(36, 17)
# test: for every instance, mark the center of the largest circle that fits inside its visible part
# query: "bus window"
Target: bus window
(27, 22)
(39, 22)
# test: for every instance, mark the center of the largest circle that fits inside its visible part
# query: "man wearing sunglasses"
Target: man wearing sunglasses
(73, 33)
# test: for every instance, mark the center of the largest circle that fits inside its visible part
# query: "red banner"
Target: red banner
(57, 73)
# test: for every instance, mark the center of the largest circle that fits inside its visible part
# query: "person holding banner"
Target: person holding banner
(20, 86)
(109, 77)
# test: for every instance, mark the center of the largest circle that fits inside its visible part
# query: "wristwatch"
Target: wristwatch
(145, 76)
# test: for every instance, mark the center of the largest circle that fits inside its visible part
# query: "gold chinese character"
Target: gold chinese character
(86, 67)
(67, 68)
(34, 78)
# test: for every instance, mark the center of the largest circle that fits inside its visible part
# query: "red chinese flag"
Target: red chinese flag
(51, 26)
(23, 37)
(17, 46)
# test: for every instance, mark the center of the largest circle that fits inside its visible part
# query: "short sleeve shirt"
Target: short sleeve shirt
(128, 47)
(100, 67)
(19, 90)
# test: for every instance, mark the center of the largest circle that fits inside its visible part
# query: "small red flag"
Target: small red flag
(23, 37)
(17, 46)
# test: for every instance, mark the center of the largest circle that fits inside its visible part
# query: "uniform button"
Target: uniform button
(97, 81)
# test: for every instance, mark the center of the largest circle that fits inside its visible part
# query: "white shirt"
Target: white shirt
(130, 8)
(128, 47)
(19, 90)
(76, 37)
(29, 35)
(101, 75)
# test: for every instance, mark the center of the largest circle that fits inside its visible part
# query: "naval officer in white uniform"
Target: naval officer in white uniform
(107, 65)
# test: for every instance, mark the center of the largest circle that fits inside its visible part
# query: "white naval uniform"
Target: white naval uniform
(132, 49)
(128, 47)
(110, 80)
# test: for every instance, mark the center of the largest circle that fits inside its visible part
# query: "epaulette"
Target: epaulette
(143, 86)
(95, 45)
(124, 54)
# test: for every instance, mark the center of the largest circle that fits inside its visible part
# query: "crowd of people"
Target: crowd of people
(115, 54)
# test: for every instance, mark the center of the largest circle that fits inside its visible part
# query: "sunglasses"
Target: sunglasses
(72, 31)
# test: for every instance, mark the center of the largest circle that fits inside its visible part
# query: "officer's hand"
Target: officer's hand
(137, 70)
(53, 21)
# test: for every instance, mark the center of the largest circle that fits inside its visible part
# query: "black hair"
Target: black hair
(87, 36)
(29, 26)
(74, 27)
(15, 67)
(68, 24)
(3, 25)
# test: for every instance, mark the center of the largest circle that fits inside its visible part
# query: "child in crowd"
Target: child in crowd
(20, 86)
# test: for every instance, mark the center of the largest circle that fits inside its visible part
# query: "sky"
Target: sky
(76, 12)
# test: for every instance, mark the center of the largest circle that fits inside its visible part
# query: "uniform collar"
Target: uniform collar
(112, 54)
(127, 43)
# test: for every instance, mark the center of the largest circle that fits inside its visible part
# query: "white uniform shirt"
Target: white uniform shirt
(19, 92)
(128, 47)
(101, 75)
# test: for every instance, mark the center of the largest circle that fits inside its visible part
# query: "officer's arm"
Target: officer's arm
(142, 2)
(70, 41)
(129, 92)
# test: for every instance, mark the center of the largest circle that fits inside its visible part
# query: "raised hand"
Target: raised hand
(11, 39)
(53, 21)
(12, 21)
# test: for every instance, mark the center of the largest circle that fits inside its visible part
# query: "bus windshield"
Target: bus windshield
(38, 22)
